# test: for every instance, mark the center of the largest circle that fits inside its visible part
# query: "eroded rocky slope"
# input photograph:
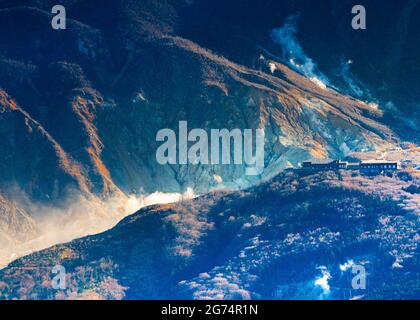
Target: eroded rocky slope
(76, 108)
(80, 108)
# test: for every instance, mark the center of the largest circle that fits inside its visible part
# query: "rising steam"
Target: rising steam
(293, 52)
(80, 217)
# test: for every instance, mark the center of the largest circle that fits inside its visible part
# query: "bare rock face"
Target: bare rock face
(81, 111)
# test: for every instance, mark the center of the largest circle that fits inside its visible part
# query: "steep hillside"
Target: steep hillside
(380, 63)
(79, 103)
(294, 237)
(80, 108)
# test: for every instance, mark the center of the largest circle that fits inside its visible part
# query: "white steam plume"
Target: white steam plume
(80, 217)
(294, 54)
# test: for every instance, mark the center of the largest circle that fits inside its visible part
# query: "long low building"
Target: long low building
(379, 165)
(324, 165)
(364, 166)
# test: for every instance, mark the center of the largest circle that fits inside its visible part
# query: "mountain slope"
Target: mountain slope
(93, 93)
(94, 118)
(379, 63)
(80, 109)
(271, 241)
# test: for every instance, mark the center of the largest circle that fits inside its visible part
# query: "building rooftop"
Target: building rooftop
(321, 161)
(378, 162)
